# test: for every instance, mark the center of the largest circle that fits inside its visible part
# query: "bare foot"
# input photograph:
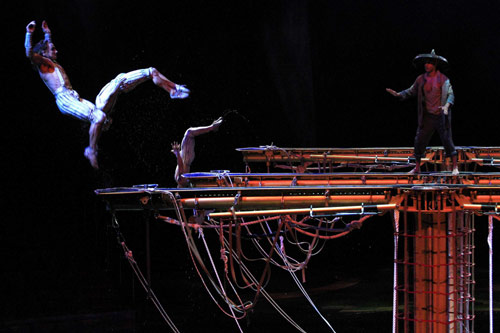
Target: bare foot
(414, 171)
(91, 155)
(180, 91)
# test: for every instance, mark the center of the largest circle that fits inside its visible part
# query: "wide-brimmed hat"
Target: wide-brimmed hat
(422, 58)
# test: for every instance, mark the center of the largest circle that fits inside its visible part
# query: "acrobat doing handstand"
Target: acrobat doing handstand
(43, 56)
(185, 151)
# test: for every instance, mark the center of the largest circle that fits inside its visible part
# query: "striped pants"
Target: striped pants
(69, 102)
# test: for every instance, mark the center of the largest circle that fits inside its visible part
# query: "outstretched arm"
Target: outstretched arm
(195, 131)
(30, 28)
(393, 92)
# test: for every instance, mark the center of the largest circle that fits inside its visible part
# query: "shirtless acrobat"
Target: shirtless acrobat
(185, 151)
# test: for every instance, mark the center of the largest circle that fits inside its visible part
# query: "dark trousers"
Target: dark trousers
(430, 124)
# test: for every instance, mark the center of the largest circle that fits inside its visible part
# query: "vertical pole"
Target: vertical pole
(406, 275)
(490, 246)
(472, 280)
(453, 240)
(148, 255)
(461, 250)
(395, 276)
(420, 313)
(439, 267)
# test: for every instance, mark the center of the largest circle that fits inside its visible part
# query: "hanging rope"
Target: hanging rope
(138, 273)
(281, 252)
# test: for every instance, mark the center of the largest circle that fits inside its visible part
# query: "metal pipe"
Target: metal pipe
(318, 210)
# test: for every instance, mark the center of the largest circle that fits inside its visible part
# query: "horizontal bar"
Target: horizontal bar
(281, 201)
(318, 210)
(481, 207)
(370, 158)
(486, 199)
(326, 182)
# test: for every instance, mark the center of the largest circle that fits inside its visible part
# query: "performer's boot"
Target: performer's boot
(454, 161)
(416, 169)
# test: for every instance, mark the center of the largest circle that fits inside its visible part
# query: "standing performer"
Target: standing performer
(44, 55)
(185, 151)
(435, 98)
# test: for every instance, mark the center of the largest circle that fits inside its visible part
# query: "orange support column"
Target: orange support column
(431, 266)
(436, 287)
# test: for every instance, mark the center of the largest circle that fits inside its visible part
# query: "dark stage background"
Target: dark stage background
(298, 74)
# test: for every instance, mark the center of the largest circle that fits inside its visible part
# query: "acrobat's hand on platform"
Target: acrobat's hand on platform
(180, 91)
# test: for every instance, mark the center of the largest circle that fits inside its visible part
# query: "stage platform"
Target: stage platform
(219, 190)
(388, 158)
(434, 266)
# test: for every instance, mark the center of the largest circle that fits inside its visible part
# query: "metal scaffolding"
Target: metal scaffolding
(434, 219)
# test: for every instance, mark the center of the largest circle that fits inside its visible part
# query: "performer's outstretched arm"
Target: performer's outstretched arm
(392, 92)
(195, 131)
(407, 93)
